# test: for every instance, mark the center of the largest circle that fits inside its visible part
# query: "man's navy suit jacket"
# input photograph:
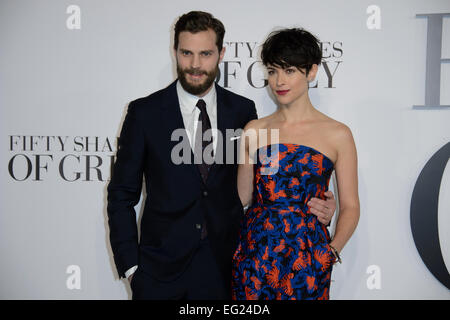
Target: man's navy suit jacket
(177, 199)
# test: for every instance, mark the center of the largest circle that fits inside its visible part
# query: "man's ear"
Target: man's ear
(221, 54)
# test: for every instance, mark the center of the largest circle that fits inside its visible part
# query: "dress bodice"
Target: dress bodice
(289, 175)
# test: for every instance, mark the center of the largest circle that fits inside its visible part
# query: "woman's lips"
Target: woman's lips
(282, 92)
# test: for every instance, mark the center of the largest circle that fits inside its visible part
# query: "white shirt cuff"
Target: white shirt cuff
(130, 271)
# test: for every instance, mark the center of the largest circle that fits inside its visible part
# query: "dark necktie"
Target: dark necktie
(200, 142)
(200, 145)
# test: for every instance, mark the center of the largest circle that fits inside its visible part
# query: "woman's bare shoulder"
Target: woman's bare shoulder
(260, 123)
(341, 137)
(336, 129)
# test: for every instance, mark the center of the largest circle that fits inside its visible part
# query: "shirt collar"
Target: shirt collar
(188, 101)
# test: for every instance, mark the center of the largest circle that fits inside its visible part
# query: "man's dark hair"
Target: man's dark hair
(196, 21)
(291, 47)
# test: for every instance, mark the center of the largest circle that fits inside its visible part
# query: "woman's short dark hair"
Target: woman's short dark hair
(291, 47)
(196, 21)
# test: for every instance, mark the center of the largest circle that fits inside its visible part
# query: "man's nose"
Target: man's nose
(195, 61)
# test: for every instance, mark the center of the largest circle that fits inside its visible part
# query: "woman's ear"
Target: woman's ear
(312, 72)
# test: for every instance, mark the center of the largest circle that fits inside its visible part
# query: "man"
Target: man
(189, 227)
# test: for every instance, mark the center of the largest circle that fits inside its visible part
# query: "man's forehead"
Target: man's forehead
(204, 39)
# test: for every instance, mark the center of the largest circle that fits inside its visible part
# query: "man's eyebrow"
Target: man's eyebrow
(201, 52)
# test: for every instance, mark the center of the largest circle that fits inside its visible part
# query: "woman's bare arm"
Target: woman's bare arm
(347, 183)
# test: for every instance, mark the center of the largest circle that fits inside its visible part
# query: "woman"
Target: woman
(285, 252)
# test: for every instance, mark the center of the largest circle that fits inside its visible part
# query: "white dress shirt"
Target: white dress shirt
(190, 114)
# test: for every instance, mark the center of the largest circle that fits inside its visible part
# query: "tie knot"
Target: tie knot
(201, 104)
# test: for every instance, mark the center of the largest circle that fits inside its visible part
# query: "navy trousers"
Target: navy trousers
(200, 281)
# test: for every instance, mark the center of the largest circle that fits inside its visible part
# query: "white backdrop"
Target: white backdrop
(68, 70)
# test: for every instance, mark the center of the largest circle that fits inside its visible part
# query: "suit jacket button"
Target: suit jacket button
(198, 226)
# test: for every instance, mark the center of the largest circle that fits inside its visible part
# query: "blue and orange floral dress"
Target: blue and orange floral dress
(283, 252)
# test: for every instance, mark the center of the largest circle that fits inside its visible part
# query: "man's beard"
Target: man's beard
(197, 89)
